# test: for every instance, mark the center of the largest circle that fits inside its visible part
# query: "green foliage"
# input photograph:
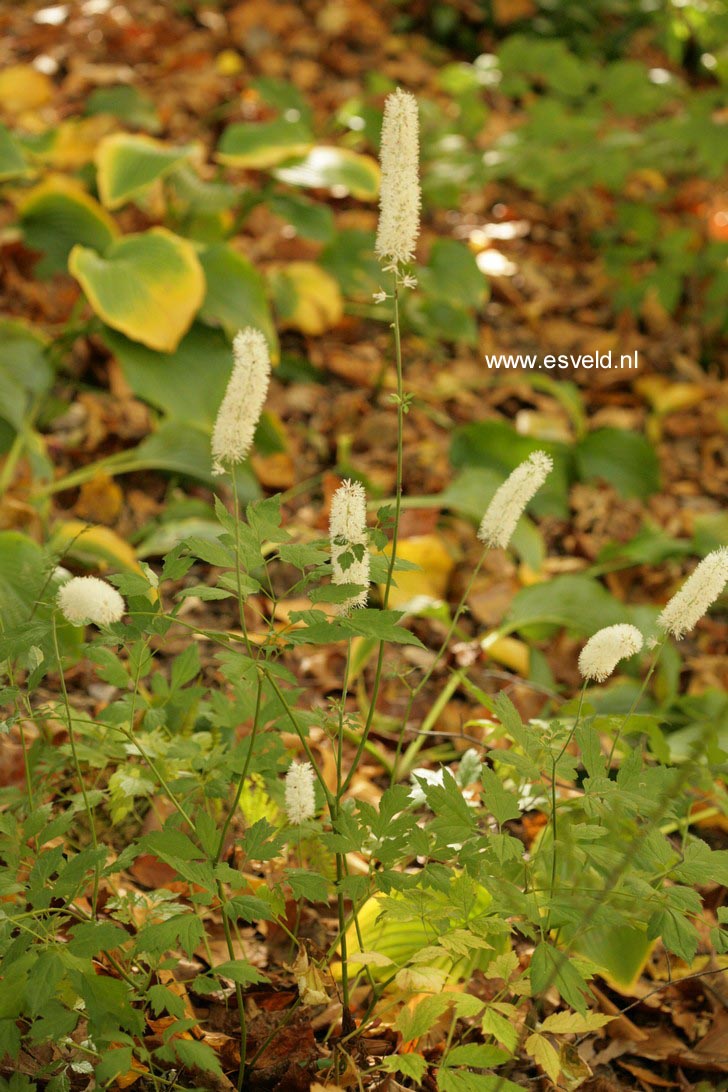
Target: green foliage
(181, 768)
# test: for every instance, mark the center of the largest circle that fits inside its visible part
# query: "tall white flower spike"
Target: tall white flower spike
(241, 407)
(602, 652)
(510, 500)
(399, 195)
(700, 590)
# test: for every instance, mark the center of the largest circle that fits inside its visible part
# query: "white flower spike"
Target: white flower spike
(347, 528)
(399, 195)
(510, 500)
(242, 405)
(86, 599)
(300, 796)
(602, 652)
(700, 590)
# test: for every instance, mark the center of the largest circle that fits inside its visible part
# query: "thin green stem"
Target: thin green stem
(11, 461)
(638, 698)
(238, 581)
(171, 795)
(554, 764)
(330, 799)
(340, 901)
(238, 989)
(400, 442)
(395, 530)
(417, 744)
(244, 774)
(77, 765)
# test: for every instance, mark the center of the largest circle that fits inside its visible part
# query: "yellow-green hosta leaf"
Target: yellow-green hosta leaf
(337, 169)
(56, 215)
(12, 161)
(93, 544)
(128, 164)
(235, 295)
(621, 953)
(263, 144)
(402, 942)
(307, 298)
(149, 286)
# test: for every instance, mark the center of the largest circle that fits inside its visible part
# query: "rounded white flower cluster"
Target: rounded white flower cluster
(86, 599)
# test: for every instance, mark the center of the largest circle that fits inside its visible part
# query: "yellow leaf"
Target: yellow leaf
(228, 63)
(544, 1055)
(573, 1023)
(93, 545)
(421, 979)
(23, 88)
(508, 651)
(308, 298)
(75, 142)
(435, 566)
(311, 986)
(666, 397)
(149, 286)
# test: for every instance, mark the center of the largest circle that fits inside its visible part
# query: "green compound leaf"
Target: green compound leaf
(549, 967)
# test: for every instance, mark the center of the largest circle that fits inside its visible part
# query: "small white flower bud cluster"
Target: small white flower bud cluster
(602, 652)
(347, 528)
(300, 796)
(87, 599)
(700, 590)
(511, 498)
(399, 197)
(241, 407)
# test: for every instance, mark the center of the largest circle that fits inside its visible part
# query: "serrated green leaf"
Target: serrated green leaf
(505, 1031)
(460, 1080)
(162, 999)
(416, 1022)
(413, 1066)
(549, 967)
(307, 885)
(239, 970)
(479, 1055)
(91, 938)
(197, 1055)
